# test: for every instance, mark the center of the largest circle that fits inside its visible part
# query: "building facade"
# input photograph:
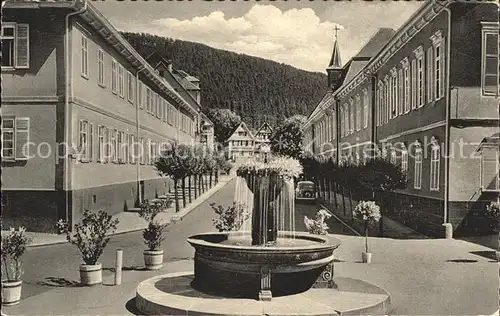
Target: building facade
(427, 100)
(83, 114)
(263, 138)
(241, 144)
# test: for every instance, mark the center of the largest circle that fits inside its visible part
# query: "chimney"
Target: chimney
(169, 65)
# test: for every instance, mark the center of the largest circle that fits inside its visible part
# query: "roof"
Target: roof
(264, 126)
(376, 42)
(182, 77)
(96, 20)
(236, 137)
(335, 62)
(490, 141)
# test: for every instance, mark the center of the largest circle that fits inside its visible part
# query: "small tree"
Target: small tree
(90, 233)
(175, 163)
(380, 175)
(369, 213)
(287, 139)
(13, 247)
(230, 218)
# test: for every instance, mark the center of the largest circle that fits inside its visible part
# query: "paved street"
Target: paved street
(423, 276)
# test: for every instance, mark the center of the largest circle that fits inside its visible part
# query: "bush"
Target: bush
(13, 247)
(318, 226)
(153, 235)
(149, 210)
(231, 218)
(90, 234)
(494, 213)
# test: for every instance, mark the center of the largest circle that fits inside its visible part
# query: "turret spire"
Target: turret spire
(335, 61)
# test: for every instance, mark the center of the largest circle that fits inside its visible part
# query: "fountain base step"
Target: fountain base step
(172, 294)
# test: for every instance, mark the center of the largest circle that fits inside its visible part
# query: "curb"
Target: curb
(177, 217)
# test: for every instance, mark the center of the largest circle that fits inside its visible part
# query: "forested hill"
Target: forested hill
(255, 88)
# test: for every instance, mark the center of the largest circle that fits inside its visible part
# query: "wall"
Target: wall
(45, 76)
(466, 61)
(429, 113)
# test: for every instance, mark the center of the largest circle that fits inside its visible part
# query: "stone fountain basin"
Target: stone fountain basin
(227, 264)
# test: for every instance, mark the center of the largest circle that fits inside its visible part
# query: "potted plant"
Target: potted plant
(494, 214)
(318, 226)
(13, 247)
(369, 213)
(89, 236)
(153, 234)
(230, 218)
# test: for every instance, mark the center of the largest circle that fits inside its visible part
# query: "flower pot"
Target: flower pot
(367, 257)
(91, 274)
(153, 259)
(11, 292)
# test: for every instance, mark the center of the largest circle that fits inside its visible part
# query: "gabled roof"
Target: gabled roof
(265, 125)
(245, 127)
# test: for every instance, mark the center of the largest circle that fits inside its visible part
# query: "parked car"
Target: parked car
(305, 191)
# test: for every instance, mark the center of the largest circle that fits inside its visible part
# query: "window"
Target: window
(437, 57)
(116, 146)
(142, 153)
(387, 98)
(132, 149)
(434, 172)
(419, 55)
(131, 85)
(148, 100)
(393, 156)
(407, 101)
(365, 109)
(84, 57)
(85, 140)
(15, 45)
(394, 95)
(358, 113)
(351, 116)
(159, 105)
(404, 159)
(140, 94)
(114, 76)
(100, 67)
(417, 176)
(15, 138)
(490, 166)
(121, 81)
(430, 90)
(490, 73)
(400, 107)
(100, 146)
(379, 104)
(334, 126)
(414, 84)
(165, 107)
(154, 101)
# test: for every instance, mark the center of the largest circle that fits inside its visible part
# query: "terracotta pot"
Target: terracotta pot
(366, 257)
(153, 259)
(91, 274)
(11, 292)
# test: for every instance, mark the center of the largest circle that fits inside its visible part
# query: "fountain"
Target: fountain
(265, 261)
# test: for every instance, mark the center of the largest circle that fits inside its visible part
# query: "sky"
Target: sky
(297, 33)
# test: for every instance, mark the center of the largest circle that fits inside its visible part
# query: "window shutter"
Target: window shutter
(489, 169)
(22, 46)
(22, 130)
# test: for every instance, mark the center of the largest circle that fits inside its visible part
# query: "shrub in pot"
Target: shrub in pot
(13, 247)
(369, 213)
(494, 215)
(230, 218)
(89, 236)
(153, 234)
(318, 226)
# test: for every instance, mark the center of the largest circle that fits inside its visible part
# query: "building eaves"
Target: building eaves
(101, 25)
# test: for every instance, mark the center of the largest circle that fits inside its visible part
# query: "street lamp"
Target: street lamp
(265, 149)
